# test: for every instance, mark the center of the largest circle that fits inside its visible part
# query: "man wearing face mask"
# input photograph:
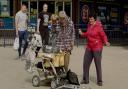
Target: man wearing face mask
(43, 21)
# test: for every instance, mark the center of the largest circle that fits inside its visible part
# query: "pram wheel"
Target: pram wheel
(54, 84)
(36, 81)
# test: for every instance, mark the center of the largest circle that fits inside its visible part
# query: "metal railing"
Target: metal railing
(115, 36)
(7, 37)
(7, 33)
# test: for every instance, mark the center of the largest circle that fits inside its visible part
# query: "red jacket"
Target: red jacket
(96, 36)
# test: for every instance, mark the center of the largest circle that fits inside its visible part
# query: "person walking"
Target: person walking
(96, 38)
(43, 21)
(21, 22)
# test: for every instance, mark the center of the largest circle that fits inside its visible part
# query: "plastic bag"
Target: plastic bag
(16, 44)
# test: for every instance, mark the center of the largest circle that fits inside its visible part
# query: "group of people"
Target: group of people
(66, 35)
(95, 35)
(60, 22)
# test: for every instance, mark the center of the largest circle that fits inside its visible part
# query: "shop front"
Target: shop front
(36, 6)
(112, 13)
(6, 14)
(108, 12)
(8, 9)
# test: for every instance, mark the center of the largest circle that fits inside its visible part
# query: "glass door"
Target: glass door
(65, 6)
(36, 6)
(51, 5)
(68, 8)
(32, 10)
(59, 7)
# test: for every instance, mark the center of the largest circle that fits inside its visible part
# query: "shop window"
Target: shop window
(51, 5)
(6, 14)
(59, 6)
(83, 14)
(4, 8)
(11, 8)
(102, 14)
(68, 8)
(125, 19)
(25, 3)
(114, 14)
(33, 12)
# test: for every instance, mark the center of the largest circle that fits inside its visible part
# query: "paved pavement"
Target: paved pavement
(114, 63)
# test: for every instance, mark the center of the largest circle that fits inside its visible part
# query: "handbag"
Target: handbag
(72, 78)
(16, 43)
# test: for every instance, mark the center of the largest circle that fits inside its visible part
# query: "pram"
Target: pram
(50, 66)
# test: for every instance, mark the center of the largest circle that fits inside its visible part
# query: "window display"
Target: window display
(6, 13)
(84, 13)
(4, 8)
(114, 13)
(126, 20)
(102, 14)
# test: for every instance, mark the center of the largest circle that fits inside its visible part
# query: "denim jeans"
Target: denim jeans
(23, 36)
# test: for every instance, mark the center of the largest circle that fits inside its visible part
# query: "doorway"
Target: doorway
(51, 6)
(65, 6)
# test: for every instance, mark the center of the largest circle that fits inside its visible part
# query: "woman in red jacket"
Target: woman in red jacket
(96, 38)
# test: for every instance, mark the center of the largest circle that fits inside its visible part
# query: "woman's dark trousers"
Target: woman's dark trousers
(88, 57)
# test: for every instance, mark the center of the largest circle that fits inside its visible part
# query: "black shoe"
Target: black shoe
(99, 83)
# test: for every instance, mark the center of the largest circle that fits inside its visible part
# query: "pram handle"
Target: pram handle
(46, 58)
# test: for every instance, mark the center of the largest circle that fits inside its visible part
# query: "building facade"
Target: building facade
(112, 13)
(8, 9)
